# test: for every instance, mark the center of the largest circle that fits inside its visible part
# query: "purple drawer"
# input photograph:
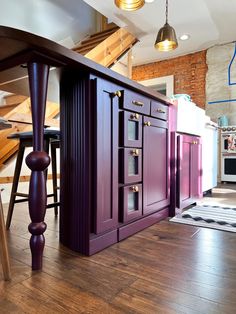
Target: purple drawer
(131, 199)
(135, 102)
(131, 129)
(158, 110)
(130, 165)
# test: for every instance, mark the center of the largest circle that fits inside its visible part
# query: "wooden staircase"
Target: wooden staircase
(105, 47)
(108, 46)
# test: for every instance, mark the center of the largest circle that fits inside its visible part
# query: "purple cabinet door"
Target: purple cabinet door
(155, 165)
(189, 172)
(184, 144)
(196, 168)
(106, 174)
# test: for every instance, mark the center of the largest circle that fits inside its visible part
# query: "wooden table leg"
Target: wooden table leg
(4, 256)
(37, 161)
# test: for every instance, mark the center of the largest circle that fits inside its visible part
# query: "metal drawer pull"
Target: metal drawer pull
(134, 188)
(117, 93)
(161, 110)
(134, 116)
(137, 103)
(148, 123)
(194, 142)
(135, 152)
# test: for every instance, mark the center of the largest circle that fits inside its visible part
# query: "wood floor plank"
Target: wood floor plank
(167, 268)
(68, 296)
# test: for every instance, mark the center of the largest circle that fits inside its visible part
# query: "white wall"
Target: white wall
(120, 68)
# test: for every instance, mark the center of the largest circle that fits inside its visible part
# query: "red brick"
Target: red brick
(189, 74)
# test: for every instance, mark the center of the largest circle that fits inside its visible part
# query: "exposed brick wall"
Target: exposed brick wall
(189, 74)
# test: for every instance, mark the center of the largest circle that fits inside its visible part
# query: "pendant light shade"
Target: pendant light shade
(129, 5)
(166, 38)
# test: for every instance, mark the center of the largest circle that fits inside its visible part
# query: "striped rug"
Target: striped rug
(216, 217)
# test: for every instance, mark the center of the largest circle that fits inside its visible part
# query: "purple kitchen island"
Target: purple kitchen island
(115, 145)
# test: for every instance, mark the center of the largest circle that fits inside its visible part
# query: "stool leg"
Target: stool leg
(3, 246)
(19, 161)
(54, 176)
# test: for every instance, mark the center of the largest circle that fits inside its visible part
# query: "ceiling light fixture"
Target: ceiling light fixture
(129, 5)
(166, 37)
(184, 37)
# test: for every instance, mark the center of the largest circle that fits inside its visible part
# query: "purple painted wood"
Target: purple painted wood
(159, 110)
(133, 121)
(155, 165)
(89, 161)
(189, 170)
(196, 169)
(136, 226)
(37, 161)
(131, 165)
(135, 102)
(173, 157)
(100, 242)
(77, 160)
(128, 213)
(107, 157)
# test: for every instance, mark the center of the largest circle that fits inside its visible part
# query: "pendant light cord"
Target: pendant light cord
(166, 11)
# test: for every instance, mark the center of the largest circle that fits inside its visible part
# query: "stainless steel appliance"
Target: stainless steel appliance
(228, 154)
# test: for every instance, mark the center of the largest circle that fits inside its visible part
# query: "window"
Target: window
(163, 85)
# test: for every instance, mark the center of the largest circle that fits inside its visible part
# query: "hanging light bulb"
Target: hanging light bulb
(166, 37)
(129, 5)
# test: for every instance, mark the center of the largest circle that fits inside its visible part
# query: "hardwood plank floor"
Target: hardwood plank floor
(167, 268)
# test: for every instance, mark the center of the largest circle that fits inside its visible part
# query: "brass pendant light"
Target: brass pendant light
(129, 5)
(166, 37)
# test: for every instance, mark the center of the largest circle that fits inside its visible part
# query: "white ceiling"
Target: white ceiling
(208, 22)
(60, 20)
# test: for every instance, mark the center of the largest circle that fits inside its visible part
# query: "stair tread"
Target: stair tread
(106, 31)
(94, 40)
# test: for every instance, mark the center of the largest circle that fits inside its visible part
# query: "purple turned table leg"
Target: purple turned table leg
(37, 161)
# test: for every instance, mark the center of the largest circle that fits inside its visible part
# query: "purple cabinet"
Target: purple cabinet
(115, 163)
(106, 148)
(189, 170)
(155, 165)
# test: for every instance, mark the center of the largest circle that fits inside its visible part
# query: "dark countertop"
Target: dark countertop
(18, 47)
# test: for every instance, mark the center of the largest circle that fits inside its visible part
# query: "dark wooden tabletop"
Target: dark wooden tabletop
(18, 47)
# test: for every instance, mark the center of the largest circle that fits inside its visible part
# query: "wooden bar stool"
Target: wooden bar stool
(26, 140)
(4, 256)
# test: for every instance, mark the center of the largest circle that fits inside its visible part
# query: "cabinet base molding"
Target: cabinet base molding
(103, 241)
(136, 226)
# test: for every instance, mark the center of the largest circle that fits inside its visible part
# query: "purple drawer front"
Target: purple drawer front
(159, 110)
(131, 129)
(131, 197)
(135, 102)
(131, 165)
